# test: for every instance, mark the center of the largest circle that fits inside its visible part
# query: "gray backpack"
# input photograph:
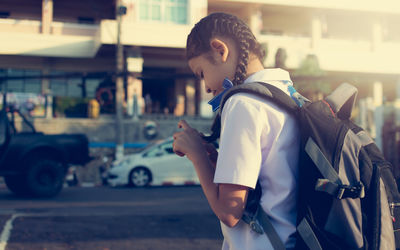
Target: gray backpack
(347, 195)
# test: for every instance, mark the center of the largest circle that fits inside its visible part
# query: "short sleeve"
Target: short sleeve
(239, 158)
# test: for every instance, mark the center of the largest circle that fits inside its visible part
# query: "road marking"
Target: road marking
(5, 235)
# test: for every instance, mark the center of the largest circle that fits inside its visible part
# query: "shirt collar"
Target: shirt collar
(267, 75)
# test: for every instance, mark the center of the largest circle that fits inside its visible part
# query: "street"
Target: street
(110, 218)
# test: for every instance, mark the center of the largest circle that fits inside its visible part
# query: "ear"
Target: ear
(220, 49)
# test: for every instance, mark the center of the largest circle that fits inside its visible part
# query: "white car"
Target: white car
(156, 165)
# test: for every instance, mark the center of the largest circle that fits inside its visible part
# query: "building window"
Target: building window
(91, 87)
(15, 83)
(58, 86)
(166, 11)
(33, 84)
(73, 86)
(20, 80)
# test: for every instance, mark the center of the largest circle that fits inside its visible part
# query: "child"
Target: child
(258, 139)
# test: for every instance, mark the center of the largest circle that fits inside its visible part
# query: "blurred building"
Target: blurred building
(77, 38)
(356, 41)
(72, 45)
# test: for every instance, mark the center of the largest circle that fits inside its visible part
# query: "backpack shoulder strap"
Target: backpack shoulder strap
(265, 91)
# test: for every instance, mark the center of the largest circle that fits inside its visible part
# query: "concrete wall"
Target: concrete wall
(103, 128)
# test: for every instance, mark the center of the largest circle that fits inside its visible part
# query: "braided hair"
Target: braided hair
(230, 26)
(223, 24)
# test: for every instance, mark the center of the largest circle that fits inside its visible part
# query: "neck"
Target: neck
(254, 65)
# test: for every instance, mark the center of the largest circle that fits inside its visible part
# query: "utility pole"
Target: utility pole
(119, 149)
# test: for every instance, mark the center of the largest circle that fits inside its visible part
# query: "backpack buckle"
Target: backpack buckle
(347, 191)
(251, 219)
(340, 192)
(256, 227)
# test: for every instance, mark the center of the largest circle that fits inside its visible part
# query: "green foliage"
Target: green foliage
(309, 67)
(71, 106)
(309, 78)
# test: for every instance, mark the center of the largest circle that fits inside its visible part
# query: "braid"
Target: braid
(243, 59)
(198, 43)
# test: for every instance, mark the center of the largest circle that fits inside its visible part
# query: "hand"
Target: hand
(188, 142)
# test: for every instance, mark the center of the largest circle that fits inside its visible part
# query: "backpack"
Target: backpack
(347, 194)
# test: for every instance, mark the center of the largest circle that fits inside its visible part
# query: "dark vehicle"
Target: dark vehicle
(33, 163)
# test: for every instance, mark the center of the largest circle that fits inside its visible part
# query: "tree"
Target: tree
(309, 78)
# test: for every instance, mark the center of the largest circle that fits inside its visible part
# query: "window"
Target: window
(91, 86)
(3, 73)
(21, 80)
(162, 149)
(168, 148)
(33, 85)
(86, 20)
(15, 85)
(23, 88)
(4, 14)
(73, 86)
(58, 86)
(167, 11)
(154, 152)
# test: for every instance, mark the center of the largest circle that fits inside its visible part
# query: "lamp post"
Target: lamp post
(119, 150)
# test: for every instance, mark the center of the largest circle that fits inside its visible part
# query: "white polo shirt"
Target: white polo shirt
(259, 140)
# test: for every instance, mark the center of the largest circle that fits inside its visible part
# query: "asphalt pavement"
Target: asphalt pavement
(110, 218)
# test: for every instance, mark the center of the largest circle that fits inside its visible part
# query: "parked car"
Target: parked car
(156, 165)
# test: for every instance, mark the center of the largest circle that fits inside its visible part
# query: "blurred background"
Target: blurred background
(115, 70)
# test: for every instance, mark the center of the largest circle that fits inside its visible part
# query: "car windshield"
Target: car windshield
(167, 147)
(154, 149)
(150, 145)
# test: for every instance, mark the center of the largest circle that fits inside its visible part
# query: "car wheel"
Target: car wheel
(16, 184)
(140, 177)
(45, 177)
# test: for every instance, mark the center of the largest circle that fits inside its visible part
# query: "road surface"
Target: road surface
(110, 218)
